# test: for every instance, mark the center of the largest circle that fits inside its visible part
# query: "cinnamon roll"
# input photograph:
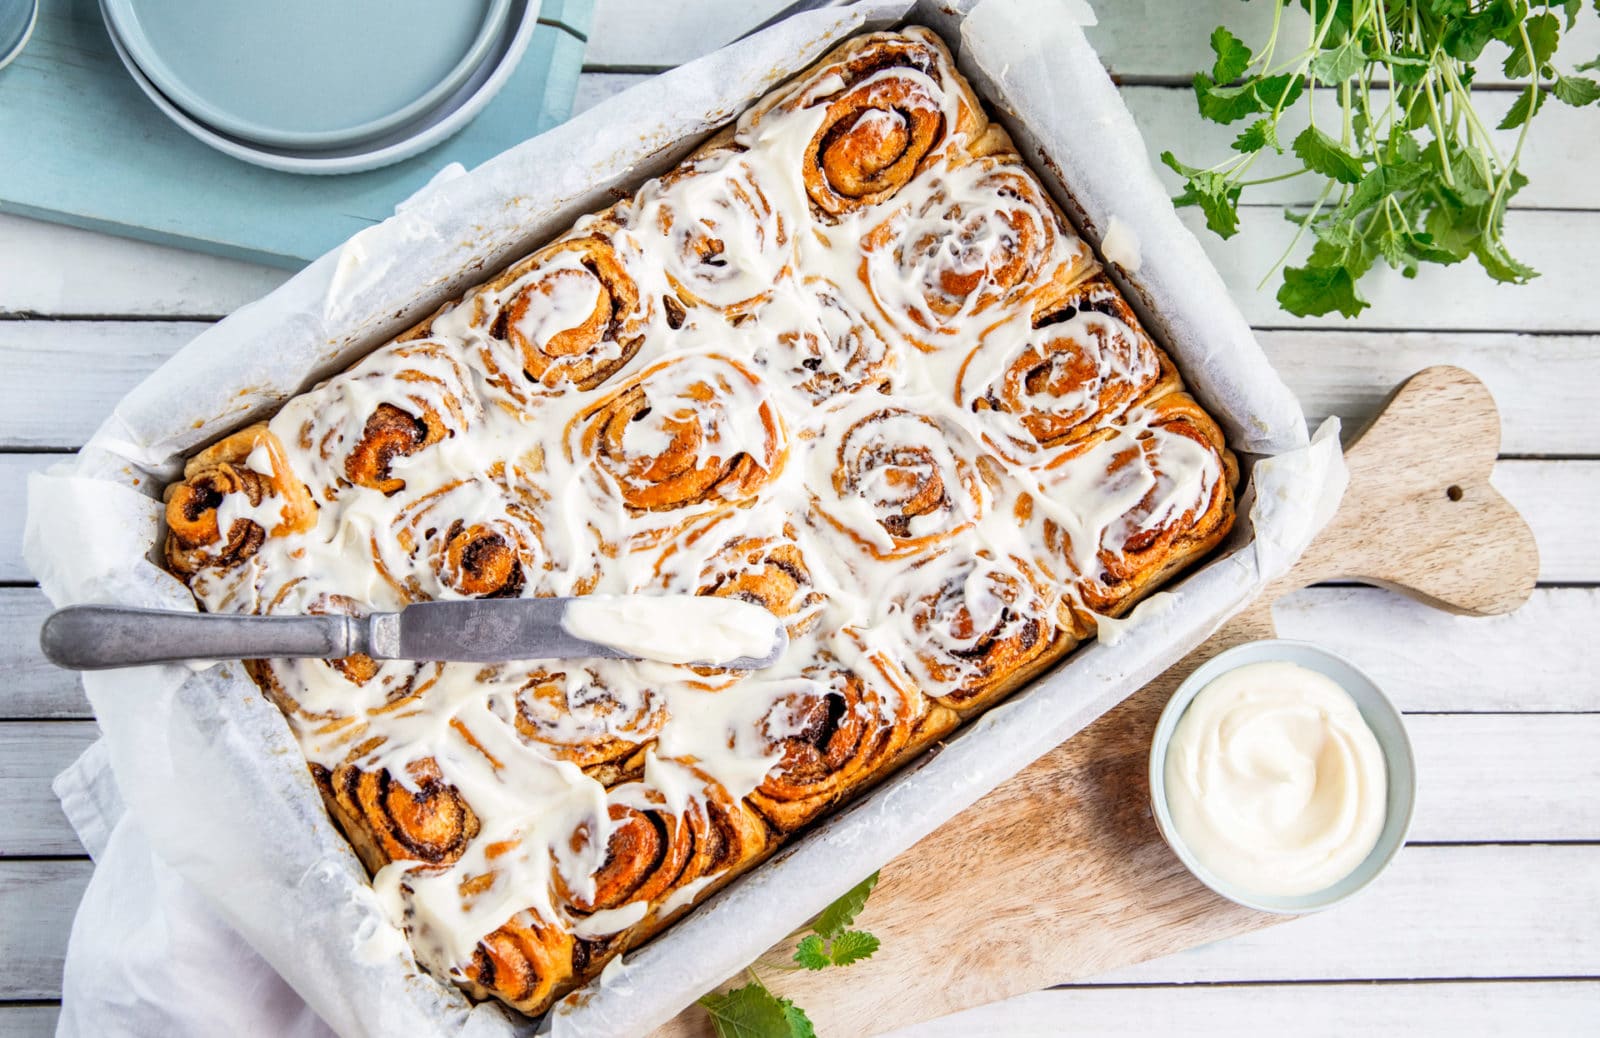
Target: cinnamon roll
(888, 106)
(524, 962)
(569, 314)
(1136, 502)
(976, 627)
(983, 239)
(575, 714)
(836, 729)
(695, 431)
(727, 560)
(419, 817)
(828, 349)
(722, 234)
(233, 496)
(360, 429)
(899, 483)
(466, 539)
(1083, 362)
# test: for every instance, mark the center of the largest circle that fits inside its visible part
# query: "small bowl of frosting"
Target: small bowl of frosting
(1282, 776)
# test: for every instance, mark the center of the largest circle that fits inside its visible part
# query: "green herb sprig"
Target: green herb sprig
(1410, 174)
(754, 1011)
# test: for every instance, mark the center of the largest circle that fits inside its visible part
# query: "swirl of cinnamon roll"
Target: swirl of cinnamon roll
(899, 486)
(571, 313)
(654, 848)
(982, 239)
(835, 729)
(524, 962)
(234, 495)
(828, 350)
(421, 818)
(888, 105)
(727, 241)
(687, 431)
(1132, 504)
(1084, 361)
(399, 401)
(576, 715)
(466, 539)
(976, 627)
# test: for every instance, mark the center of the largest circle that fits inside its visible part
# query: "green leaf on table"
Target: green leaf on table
(812, 953)
(852, 946)
(1314, 291)
(1225, 104)
(1524, 107)
(843, 912)
(1233, 57)
(799, 1023)
(1334, 66)
(1544, 33)
(1323, 154)
(1263, 133)
(1576, 91)
(754, 1012)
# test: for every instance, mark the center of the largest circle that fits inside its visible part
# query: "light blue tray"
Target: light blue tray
(79, 144)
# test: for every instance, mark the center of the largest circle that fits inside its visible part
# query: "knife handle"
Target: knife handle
(104, 637)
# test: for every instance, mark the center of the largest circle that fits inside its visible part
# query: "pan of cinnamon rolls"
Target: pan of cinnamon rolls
(847, 361)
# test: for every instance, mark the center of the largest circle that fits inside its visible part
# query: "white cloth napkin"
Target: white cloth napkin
(147, 956)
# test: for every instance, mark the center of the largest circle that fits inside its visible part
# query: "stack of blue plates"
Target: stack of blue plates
(320, 86)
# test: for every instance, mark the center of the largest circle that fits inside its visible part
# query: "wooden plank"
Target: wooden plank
(37, 902)
(1560, 500)
(644, 34)
(1459, 912)
(1554, 1009)
(14, 470)
(1542, 384)
(1138, 39)
(65, 272)
(28, 1021)
(1538, 658)
(105, 360)
(34, 687)
(32, 754)
(1551, 791)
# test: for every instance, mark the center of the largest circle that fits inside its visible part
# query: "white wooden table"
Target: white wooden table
(1489, 921)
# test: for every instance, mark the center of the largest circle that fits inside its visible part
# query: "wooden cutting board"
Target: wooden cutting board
(1060, 874)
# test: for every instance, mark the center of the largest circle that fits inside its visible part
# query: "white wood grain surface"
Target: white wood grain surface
(1489, 923)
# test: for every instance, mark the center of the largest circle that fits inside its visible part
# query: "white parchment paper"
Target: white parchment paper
(208, 768)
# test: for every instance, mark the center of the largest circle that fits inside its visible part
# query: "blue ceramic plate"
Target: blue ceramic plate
(1376, 709)
(17, 18)
(308, 74)
(429, 129)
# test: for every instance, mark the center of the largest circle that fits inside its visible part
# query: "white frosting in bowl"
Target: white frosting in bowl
(1274, 781)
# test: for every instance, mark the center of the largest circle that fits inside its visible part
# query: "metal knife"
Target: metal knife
(801, 7)
(477, 630)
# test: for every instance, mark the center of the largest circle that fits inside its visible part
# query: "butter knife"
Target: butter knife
(670, 628)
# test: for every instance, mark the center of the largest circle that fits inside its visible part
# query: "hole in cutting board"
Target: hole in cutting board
(1454, 492)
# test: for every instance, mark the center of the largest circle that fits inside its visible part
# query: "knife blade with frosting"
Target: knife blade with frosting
(668, 628)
